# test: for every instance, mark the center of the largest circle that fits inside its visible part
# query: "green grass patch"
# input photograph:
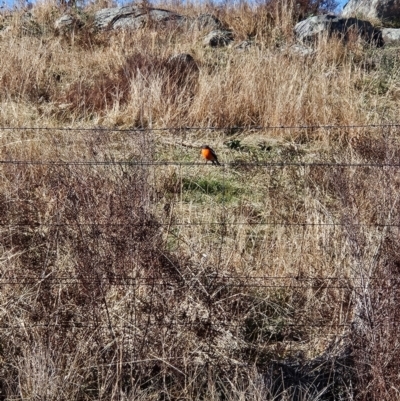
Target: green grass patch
(201, 188)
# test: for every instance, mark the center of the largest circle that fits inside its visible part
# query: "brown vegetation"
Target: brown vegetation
(131, 272)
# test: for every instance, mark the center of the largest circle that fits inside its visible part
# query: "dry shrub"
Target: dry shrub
(178, 77)
(375, 332)
(250, 21)
(28, 74)
(82, 236)
(376, 337)
(368, 209)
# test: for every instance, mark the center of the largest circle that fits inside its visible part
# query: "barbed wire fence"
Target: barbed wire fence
(132, 131)
(68, 185)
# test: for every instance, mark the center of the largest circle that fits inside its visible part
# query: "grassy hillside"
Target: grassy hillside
(132, 270)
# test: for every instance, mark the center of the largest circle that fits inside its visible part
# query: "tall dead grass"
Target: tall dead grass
(82, 76)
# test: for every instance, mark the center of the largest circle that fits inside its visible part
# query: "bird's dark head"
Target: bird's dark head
(205, 147)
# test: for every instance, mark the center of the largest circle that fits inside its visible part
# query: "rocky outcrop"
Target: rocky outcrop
(385, 10)
(136, 17)
(133, 17)
(218, 38)
(310, 29)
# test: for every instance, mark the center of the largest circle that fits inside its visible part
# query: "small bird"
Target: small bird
(209, 154)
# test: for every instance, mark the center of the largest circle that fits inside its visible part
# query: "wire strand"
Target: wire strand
(192, 164)
(209, 128)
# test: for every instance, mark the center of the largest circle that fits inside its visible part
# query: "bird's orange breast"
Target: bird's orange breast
(206, 153)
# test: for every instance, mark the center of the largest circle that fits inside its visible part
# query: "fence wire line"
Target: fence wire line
(207, 324)
(218, 286)
(205, 128)
(173, 224)
(192, 164)
(96, 278)
(150, 281)
(223, 283)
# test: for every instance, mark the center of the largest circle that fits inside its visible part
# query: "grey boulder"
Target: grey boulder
(218, 38)
(310, 29)
(391, 35)
(386, 10)
(136, 17)
(133, 17)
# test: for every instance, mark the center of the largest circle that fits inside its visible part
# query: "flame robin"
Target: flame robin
(209, 154)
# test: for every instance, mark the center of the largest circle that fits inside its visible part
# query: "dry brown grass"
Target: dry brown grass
(267, 85)
(124, 281)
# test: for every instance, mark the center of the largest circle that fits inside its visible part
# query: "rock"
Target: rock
(133, 17)
(218, 38)
(390, 35)
(136, 17)
(244, 46)
(207, 21)
(67, 22)
(64, 21)
(153, 15)
(299, 50)
(104, 17)
(182, 58)
(309, 29)
(386, 10)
